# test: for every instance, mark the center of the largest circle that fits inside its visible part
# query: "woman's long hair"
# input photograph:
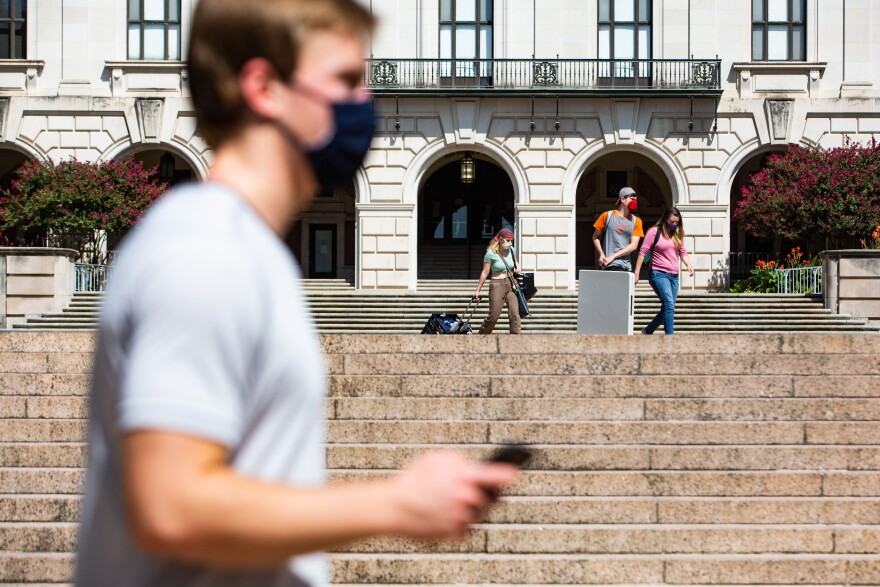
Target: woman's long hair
(678, 236)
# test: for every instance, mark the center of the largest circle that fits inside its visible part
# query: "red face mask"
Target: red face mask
(633, 205)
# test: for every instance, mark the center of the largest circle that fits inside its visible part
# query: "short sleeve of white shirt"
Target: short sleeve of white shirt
(187, 364)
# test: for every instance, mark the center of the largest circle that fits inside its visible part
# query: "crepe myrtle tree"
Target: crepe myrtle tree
(76, 205)
(819, 198)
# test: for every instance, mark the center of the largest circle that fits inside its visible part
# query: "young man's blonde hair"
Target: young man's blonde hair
(226, 34)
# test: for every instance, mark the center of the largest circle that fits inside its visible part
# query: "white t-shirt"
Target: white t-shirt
(204, 331)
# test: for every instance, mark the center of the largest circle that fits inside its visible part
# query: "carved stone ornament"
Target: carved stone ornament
(745, 75)
(779, 118)
(150, 115)
(31, 72)
(117, 73)
(4, 108)
(814, 75)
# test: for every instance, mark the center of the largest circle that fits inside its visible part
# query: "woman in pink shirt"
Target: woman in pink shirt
(665, 241)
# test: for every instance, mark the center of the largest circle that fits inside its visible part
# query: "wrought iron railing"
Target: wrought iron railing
(548, 75)
(91, 277)
(802, 280)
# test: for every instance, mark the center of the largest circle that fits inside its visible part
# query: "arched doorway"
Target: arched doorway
(10, 161)
(598, 189)
(745, 249)
(171, 167)
(457, 218)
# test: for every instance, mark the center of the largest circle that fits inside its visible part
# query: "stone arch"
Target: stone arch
(12, 157)
(192, 159)
(455, 220)
(583, 160)
(432, 156)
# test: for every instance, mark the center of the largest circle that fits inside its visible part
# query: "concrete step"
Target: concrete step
(581, 410)
(549, 538)
(617, 569)
(613, 433)
(554, 311)
(670, 483)
(518, 569)
(635, 457)
(607, 386)
(575, 510)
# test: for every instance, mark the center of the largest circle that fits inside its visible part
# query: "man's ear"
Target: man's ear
(261, 88)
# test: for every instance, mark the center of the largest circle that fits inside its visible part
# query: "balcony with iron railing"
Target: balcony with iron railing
(544, 76)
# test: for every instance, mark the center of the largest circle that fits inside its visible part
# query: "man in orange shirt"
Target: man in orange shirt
(617, 233)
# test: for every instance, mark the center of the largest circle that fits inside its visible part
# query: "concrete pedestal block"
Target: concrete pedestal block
(852, 282)
(34, 281)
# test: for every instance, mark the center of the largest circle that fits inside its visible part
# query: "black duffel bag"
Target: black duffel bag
(526, 283)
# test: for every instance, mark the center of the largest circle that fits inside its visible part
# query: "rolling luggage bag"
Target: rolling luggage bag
(451, 323)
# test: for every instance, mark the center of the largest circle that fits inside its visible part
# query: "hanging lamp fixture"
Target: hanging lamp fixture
(468, 169)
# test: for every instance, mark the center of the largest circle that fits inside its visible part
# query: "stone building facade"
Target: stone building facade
(556, 103)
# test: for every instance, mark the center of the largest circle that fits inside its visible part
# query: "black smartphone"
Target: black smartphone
(514, 454)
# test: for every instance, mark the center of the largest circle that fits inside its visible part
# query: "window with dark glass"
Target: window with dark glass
(13, 29)
(778, 30)
(153, 29)
(466, 34)
(625, 33)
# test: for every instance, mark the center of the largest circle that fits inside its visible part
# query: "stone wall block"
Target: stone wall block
(87, 123)
(541, 244)
(395, 244)
(859, 268)
(30, 265)
(403, 226)
(860, 288)
(30, 285)
(61, 123)
(75, 140)
(563, 244)
(378, 261)
(378, 226)
(391, 279)
(552, 226)
(100, 141)
(27, 306)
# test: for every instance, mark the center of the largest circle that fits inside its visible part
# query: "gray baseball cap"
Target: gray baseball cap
(624, 192)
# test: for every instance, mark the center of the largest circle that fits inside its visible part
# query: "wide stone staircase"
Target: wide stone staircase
(338, 308)
(693, 460)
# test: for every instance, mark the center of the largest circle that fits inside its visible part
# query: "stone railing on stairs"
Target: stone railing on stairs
(747, 459)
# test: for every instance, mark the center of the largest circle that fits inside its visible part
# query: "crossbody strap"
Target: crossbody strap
(656, 238)
(513, 283)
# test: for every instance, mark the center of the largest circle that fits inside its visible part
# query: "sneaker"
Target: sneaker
(645, 331)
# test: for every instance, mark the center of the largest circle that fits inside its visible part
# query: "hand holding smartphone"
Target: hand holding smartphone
(513, 454)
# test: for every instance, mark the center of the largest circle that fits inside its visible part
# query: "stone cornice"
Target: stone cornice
(21, 65)
(849, 253)
(384, 207)
(147, 66)
(780, 66)
(37, 252)
(538, 207)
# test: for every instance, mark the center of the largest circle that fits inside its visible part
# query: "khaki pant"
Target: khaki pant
(500, 291)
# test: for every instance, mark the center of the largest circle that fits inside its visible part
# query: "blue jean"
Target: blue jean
(665, 285)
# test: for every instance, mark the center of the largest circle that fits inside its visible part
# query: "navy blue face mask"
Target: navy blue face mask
(336, 163)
